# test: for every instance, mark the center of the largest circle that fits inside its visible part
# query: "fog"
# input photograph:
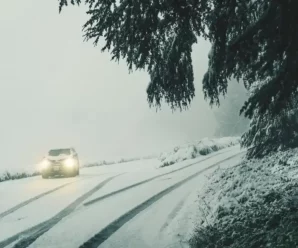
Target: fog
(57, 91)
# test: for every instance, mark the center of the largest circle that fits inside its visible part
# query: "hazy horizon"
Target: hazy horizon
(59, 91)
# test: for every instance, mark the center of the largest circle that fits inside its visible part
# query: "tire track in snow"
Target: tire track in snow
(148, 180)
(174, 212)
(28, 236)
(24, 203)
(110, 229)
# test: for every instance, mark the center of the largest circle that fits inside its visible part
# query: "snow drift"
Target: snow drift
(193, 150)
(254, 204)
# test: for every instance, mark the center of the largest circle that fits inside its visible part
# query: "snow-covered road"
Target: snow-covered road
(135, 204)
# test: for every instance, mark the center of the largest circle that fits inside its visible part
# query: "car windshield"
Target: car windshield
(58, 152)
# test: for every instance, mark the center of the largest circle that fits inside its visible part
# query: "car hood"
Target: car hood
(58, 158)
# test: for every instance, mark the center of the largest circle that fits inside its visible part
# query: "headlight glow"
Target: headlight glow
(70, 162)
(45, 163)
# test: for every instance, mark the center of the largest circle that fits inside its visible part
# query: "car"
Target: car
(60, 162)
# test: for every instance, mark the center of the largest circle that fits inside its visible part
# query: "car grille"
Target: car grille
(56, 163)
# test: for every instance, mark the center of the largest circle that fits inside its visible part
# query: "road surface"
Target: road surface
(135, 204)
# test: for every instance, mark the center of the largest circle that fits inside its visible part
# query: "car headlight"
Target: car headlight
(45, 164)
(70, 162)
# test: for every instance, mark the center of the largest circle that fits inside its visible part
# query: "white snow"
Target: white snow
(17, 191)
(152, 169)
(168, 223)
(246, 184)
(44, 208)
(195, 149)
(95, 217)
(85, 221)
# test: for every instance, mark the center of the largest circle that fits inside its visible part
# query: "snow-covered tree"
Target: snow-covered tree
(267, 134)
(251, 40)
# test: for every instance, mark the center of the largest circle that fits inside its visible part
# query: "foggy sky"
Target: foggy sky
(57, 91)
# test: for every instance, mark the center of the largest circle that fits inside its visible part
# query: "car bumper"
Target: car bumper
(54, 170)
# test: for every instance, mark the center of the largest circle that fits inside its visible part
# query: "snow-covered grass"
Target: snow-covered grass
(193, 150)
(254, 204)
(18, 173)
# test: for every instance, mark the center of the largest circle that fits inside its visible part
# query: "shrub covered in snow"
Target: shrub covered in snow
(193, 150)
(254, 204)
(18, 173)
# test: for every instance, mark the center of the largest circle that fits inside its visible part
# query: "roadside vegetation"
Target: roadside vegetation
(254, 204)
(202, 147)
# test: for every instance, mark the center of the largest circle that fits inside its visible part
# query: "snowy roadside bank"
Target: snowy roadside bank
(193, 150)
(254, 204)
